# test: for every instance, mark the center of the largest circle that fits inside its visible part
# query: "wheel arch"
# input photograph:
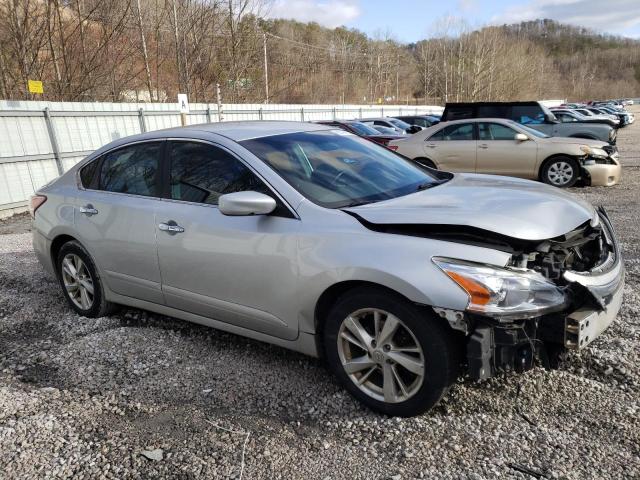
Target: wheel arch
(555, 156)
(588, 136)
(56, 245)
(332, 294)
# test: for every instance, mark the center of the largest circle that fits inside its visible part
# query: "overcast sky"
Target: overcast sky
(411, 20)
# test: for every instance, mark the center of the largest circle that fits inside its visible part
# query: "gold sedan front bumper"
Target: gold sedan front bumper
(603, 175)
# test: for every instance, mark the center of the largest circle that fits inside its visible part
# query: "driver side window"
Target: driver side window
(495, 131)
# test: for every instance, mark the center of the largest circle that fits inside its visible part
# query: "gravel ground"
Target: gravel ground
(137, 395)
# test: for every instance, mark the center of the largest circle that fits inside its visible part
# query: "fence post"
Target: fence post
(208, 114)
(382, 111)
(400, 110)
(143, 127)
(302, 113)
(360, 113)
(260, 113)
(53, 140)
(333, 112)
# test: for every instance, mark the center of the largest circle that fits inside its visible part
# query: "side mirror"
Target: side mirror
(414, 129)
(246, 203)
(520, 137)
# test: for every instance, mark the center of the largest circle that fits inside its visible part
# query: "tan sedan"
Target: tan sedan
(504, 147)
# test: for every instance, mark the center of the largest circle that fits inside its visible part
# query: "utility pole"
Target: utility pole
(266, 68)
(397, 76)
(219, 101)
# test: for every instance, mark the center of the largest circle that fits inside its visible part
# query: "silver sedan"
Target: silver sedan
(313, 239)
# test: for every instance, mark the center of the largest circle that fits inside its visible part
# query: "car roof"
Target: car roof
(481, 104)
(476, 120)
(245, 130)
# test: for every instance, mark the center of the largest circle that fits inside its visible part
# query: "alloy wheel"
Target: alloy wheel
(77, 281)
(381, 355)
(560, 173)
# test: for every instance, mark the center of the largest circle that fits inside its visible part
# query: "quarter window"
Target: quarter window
(495, 131)
(201, 173)
(131, 169)
(88, 172)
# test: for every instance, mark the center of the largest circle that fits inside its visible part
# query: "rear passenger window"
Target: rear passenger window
(527, 114)
(131, 169)
(200, 173)
(459, 113)
(493, 111)
(462, 131)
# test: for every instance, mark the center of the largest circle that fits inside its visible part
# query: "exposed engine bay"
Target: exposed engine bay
(580, 250)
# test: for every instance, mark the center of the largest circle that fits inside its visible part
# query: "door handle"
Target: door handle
(484, 146)
(170, 227)
(431, 145)
(88, 210)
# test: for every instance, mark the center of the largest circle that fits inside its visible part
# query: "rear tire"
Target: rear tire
(80, 282)
(404, 373)
(562, 172)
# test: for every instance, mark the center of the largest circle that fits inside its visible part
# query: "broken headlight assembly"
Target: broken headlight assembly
(503, 293)
(594, 151)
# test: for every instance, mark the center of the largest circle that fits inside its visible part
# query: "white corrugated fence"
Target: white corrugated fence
(40, 140)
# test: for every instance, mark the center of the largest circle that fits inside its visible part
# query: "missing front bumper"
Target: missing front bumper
(583, 326)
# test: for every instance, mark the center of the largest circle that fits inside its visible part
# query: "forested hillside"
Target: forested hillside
(125, 50)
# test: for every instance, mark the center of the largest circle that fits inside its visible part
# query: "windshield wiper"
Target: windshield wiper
(354, 204)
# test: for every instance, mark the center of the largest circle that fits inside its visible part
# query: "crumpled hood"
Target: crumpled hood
(508, 206)
(577, 141)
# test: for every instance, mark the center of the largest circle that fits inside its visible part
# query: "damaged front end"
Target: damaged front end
(554, 295)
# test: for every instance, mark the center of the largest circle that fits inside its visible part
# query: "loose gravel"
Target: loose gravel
(138, 395)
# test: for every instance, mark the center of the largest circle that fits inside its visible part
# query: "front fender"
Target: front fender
(398, 262)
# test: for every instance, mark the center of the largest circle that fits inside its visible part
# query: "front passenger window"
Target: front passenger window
(495, 131)
(201, 173)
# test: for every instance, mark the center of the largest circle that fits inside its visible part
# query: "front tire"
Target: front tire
(562, 172)
(392, 355)
(80, 281)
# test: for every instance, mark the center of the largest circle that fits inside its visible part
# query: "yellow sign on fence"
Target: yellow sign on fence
(35, 86)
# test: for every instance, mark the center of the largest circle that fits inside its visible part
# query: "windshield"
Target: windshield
(533, 131)
(335, 169)
(362, 129)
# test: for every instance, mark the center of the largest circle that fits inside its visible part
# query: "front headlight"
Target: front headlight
(503, 292)
(593, 151)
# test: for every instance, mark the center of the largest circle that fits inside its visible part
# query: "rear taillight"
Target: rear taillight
(35, 202)
(392, 147)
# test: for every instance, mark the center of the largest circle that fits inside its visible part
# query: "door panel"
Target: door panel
(115, 219)
(453, 148)
(121, 238)
(499, 154)
(239, 270)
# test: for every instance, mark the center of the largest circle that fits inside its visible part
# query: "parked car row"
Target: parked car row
(597, 112)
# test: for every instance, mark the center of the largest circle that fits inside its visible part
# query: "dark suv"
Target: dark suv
(532, 114)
